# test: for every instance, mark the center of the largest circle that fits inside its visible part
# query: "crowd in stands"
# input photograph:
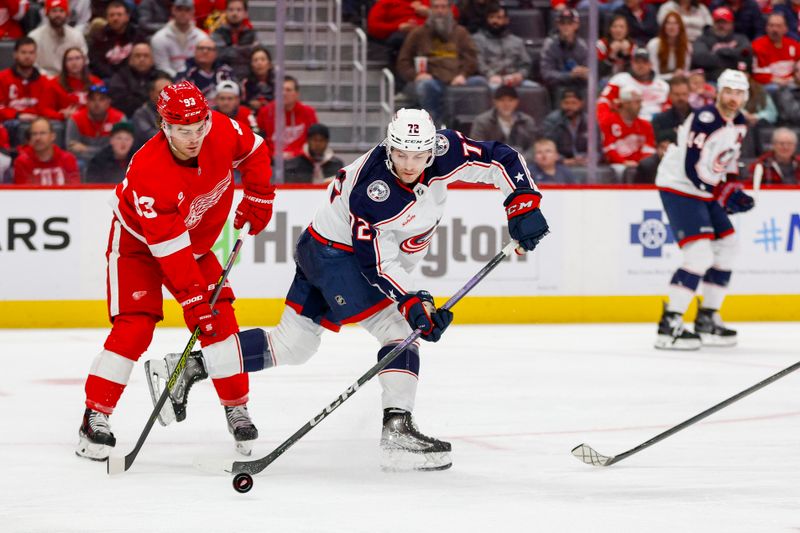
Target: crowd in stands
(657, 62)
(80, 96)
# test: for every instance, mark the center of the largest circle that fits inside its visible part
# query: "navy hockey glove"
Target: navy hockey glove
(421, 313)
(729, 194)
(526, 223)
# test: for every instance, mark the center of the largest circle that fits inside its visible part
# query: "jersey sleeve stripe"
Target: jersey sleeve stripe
(256, 143)
(163, 249)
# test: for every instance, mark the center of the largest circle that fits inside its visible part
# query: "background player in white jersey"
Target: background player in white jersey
(697, 187)
(354, 261)
(168, 212)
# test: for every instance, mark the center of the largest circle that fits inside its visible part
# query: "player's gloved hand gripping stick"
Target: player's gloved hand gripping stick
(117, 464)
(243, 470)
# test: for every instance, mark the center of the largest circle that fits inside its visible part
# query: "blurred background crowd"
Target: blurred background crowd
(80, 79)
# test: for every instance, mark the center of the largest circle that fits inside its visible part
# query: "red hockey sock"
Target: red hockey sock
(233, 390)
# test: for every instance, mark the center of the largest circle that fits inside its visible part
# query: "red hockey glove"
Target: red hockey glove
(255, 208)
(197, 313)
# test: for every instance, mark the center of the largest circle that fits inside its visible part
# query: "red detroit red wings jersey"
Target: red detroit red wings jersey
(170, 207)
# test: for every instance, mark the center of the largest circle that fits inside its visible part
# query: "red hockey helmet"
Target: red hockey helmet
(182, 103)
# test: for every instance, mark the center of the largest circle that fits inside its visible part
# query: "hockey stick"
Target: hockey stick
(118, 465)
(588, 455)
(758, 175)
(247, 468)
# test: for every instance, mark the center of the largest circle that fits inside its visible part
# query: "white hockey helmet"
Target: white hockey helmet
(734, 79)
(411, 130)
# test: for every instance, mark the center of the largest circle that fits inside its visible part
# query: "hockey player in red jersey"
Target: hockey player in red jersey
(168, 212)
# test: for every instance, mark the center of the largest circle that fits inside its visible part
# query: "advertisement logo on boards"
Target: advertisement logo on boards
(652, 233)
(773, 237)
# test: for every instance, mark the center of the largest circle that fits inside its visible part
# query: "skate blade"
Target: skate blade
(709, 339)
(666, 342)
(244, 447)
(92, 450)
(405, 461)
(157, 374)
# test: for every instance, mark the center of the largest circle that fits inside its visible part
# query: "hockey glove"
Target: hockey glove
(197, 313)
(526, 223)
(729, 194)
(421, 313)
(255, 208)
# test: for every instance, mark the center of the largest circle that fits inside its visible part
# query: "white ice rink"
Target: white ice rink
(513, 400)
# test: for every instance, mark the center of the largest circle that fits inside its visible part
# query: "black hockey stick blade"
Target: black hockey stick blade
(257, 465)
(588, 455)
(120, 464)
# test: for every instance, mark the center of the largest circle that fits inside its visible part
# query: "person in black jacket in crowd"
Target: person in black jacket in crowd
(110, 163)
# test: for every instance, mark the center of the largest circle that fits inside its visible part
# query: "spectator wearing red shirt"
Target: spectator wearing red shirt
(71, 87)
(775, 54)
(41, 162)
(88, 130)
(390, 21)
(11, 12)
(228, 101)
(299, 117)
(627, 139)
(781, 165)
(23, 91)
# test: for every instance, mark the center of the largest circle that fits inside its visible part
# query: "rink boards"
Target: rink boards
(609, 257)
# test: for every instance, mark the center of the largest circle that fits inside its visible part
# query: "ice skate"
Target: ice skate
(711, 329)
(158, 372)
(404, 448)
(672, 334)
(242, 428)
(95, 437)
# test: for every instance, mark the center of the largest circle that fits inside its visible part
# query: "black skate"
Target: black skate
(95, 437)
(672, 335)
(404, 448)
(158, 372)
(712, 331)
(242, 428)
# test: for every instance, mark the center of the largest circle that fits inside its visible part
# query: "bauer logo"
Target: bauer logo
(652, 233)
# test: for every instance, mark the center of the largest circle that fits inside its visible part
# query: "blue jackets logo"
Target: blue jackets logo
(652, 233)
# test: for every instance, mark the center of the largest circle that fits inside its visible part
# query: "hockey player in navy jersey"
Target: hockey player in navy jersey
(696, 180)
(354, 263)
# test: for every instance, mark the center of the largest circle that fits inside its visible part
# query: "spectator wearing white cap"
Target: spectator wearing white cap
(175, 42)
(627, 138)
(54, 37)
(641, 76)
(228, 102)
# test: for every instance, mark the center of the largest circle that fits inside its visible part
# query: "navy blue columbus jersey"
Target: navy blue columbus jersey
(387, 224)
(708, 149)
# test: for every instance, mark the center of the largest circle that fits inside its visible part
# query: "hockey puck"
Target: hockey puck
(242, 482)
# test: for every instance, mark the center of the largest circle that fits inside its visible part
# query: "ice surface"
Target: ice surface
(514, 400)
